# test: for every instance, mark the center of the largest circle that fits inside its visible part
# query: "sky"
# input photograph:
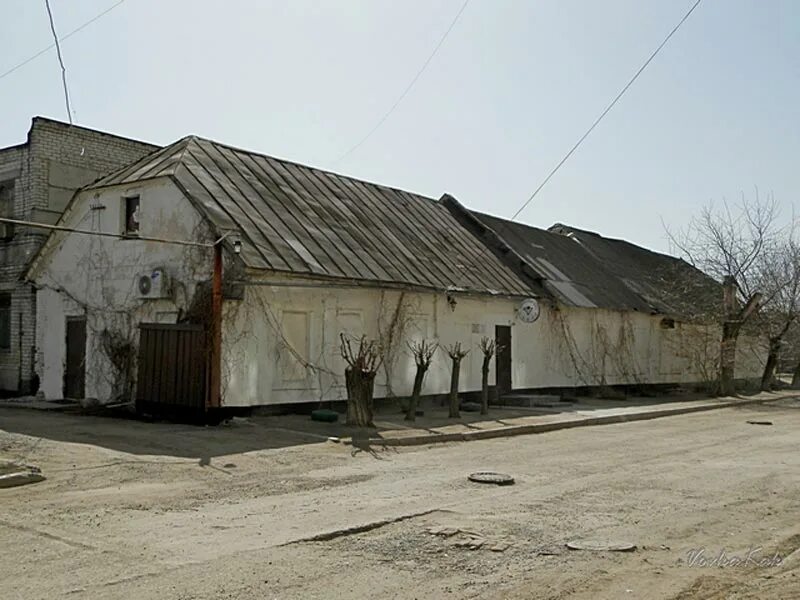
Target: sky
(715, 116)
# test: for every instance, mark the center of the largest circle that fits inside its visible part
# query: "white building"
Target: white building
(323, 254)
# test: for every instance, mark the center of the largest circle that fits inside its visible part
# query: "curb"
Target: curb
(512, 430)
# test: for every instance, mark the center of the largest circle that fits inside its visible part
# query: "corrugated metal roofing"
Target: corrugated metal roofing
(299, 219)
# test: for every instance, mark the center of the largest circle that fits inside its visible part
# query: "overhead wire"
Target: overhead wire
(504, 225)
(606, 111)
(63, 38)
(408, 88)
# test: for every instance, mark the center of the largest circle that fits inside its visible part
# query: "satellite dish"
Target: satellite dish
(145, 285)
(529, 310)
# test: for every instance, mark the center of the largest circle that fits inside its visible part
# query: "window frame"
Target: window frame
(125, 215)
(7, 229)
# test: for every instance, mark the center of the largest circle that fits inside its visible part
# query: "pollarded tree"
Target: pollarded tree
(488, 347)
(728, 243)
(455, 353)
(423, 354)
(363, 363)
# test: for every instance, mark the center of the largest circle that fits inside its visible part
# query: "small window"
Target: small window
(667, 323)
(132, 215)
(5, 321)
(6, 208)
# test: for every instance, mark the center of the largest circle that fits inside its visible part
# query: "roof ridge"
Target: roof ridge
(576, 230)
(132, 167)
(307, 166)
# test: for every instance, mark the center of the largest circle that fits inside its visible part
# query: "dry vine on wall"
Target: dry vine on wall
(106, 294)
(605, 355)
(392, 332)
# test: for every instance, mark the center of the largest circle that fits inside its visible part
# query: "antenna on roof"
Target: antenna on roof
(60, 60)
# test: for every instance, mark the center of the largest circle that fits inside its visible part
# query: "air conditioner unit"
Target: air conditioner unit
(153, 284)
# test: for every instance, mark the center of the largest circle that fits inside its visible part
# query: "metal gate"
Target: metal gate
(172, 369)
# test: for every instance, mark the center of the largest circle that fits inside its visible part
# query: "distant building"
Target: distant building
(37, 180)
(310, 255)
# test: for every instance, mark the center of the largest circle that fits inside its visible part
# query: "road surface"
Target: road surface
(156, 511)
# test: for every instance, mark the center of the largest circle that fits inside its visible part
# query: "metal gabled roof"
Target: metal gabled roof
(568, 272)
(666, 283)
(298, 219)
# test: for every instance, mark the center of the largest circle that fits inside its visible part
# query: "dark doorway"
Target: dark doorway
(75, 371)
(502, 337)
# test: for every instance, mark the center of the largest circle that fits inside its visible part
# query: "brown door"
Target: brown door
(75, 372)
(172, 369)
(502, 337)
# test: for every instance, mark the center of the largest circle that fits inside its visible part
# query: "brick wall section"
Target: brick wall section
(56, 159)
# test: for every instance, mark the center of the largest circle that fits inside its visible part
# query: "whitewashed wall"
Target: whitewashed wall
(96, 277)
(281, 344)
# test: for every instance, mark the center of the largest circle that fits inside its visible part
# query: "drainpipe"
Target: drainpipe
(215, 379)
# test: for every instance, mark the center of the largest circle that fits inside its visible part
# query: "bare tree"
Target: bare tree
(455, 353)
(362, 365)
(780, 282)
(728, 244)
(423, 354)
(488, 347)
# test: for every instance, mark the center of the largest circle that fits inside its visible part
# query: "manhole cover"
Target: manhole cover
(490, 477)
(601, 545)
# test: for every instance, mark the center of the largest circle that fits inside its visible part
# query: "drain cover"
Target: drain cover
(490, 477)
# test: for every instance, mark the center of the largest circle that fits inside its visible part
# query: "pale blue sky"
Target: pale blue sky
(513, 87)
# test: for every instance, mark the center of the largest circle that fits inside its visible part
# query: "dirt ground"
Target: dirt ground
(158, 511)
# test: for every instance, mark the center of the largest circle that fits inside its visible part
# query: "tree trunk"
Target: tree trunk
(727, 358)
(485, 385)
(360, 386)
(768, 377)
(411, 414)
(796, 378)
(454, 413)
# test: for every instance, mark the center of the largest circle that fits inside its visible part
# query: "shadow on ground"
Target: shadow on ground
(255, 433)
(167, 439)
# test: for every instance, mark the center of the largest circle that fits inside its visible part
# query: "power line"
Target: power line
(605, 112)
(120, 236)
(505, 224)
(70, 34)
(408, 88)
(60, 60)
